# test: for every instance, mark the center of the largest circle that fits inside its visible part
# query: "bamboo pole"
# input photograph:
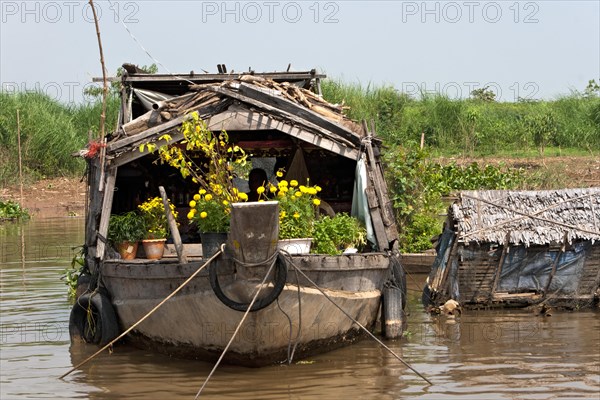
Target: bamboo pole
(102, 137)
(20, 160)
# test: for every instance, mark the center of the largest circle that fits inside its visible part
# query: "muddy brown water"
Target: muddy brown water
(482, 355)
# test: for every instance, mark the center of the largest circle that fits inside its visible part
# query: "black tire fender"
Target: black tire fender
(93, 320)
(259, 304)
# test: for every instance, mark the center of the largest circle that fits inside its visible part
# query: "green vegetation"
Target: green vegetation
(10, 210)
(128, 227)
(332, 235)
(50, 133)
(475, 126)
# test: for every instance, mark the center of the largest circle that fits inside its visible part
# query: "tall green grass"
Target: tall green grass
(473, 127)
(50, 133)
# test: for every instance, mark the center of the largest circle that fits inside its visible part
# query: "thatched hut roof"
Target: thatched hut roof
(527, 217)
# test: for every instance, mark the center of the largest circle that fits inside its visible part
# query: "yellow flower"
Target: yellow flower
(225, 202)
(298, 194)
(316, 202)
(296, 215)
(203, 214)
(282, 214)
(303, 189)
(312, 191)
(202, 191)
(293, 183)
(243, 196)
(196, 197)
(260, 190)
(282, 183)
(190, 215)
(318, 188)
(272, 188)
(281, 194)
(279, 174)
(208, 197)
(193, 203)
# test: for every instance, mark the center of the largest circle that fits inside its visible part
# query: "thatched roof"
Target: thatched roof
(527, 217)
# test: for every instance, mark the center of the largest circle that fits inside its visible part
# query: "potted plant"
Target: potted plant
(124, 233)
(157, 226)
(210, 211)
(297, 212)
(338, 234)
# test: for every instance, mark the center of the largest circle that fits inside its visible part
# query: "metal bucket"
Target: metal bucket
(211, 243)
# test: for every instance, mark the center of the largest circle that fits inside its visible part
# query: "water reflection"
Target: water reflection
(482, 354)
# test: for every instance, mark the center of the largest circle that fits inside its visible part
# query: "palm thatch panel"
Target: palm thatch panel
(527, 217)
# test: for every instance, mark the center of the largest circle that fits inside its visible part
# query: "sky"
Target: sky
(519, 49)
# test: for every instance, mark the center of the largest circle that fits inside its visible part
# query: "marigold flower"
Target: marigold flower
(296, 215)
(190, 215)
(317, 202)
(298, 194)
(225, 202)
(281, 194)
(282, 183)
(203, 214)
(202, 191)
(196, 197)
(260, 190)
(208, 197)
(192, 204)
(279, 174)
(293, 183)
(272, 188)
(318, 188)
(243, 196)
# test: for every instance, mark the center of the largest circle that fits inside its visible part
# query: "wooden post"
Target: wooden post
(109, 191)
(422, 140)
(505, 251)
(20, 160)
(173, 227)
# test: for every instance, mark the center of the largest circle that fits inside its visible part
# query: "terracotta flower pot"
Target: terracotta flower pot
(154, 248)
(127, 250)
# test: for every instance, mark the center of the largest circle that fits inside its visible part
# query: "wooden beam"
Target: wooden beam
(173, 227)
(112, 147)
(109, 190)
(296, 109)
(283, 114)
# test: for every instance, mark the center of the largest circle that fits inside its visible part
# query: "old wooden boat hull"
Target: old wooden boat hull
(196, 324)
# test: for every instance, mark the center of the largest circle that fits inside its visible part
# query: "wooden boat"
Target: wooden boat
(313, 302)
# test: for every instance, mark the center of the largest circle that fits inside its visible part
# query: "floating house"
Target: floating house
(519, 248)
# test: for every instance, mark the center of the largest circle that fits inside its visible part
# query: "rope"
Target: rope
(237, 329)
(359, 324)
(145, 316)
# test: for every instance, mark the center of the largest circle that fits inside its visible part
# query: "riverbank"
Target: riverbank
(49, 198)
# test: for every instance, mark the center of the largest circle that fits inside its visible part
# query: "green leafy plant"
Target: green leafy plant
(72, 274)
(128, 227)
(11, 210)
(332, 235)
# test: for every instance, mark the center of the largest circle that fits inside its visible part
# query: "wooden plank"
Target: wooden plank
(173, 227)
(301, 111)
(203, 78)
(109, 191)
(505, 251)
(112, 147)
(283, 114)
